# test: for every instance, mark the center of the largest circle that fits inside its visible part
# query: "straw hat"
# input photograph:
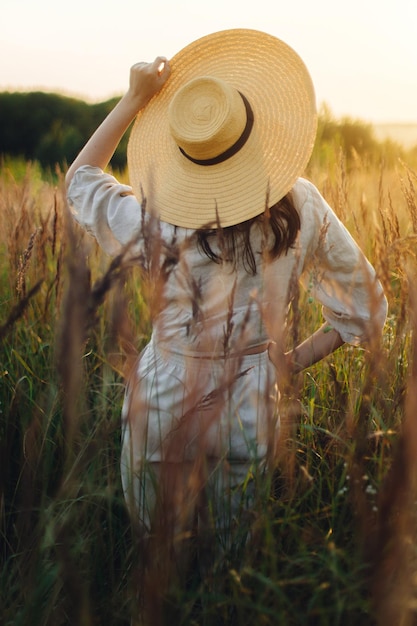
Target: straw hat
(232, 129)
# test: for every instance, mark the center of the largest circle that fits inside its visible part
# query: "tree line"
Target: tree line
(51, 129)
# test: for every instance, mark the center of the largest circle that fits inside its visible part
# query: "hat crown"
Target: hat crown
(206, 117)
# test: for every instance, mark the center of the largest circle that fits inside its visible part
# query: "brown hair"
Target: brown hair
(234, 241)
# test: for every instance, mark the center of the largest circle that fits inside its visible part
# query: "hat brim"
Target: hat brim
(278, 86)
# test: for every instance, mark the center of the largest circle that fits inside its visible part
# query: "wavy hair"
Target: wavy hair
(234, 242)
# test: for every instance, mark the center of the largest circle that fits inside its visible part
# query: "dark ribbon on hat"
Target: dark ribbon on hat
(235, 147)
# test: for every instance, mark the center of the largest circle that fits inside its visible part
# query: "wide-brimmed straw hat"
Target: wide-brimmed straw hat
(230, 132)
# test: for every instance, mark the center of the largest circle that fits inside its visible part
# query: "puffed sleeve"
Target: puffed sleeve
(105, 208)
(336, 272)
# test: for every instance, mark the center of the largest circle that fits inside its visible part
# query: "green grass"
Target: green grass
(332, 539)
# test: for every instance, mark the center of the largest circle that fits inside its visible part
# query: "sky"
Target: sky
(361, 54)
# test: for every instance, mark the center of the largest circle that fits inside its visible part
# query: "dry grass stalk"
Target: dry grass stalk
(18, 310)
(393, 559)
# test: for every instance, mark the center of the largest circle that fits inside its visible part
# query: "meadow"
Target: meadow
(333, 541)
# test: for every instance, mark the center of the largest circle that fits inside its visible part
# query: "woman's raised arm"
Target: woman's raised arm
(146, 79)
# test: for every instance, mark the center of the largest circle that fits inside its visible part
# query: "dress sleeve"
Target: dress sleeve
(105, 208)
(336, 273)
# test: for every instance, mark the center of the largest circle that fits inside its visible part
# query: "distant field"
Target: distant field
(405, 134)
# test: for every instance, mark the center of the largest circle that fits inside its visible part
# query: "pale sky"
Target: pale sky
(361, 54)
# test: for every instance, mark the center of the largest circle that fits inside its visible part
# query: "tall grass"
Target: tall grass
(332, 541)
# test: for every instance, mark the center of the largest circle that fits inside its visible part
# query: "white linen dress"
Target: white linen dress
(195, 392)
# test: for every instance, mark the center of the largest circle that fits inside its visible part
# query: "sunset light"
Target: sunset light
(362, 55)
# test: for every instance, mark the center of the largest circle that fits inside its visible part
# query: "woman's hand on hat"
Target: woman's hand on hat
(146, 79)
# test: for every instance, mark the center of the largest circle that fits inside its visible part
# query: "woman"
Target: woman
(226, 228)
